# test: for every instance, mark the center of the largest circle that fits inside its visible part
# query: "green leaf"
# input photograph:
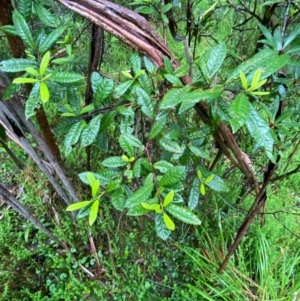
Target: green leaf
(94, 212)
(267, 34)
(113, 162)
(77, 206)
(33, 101)
(86, 109)
(44, 92)
(24, 7)
(96, 79)
(128, 142)
(292, 36)
(173, 80)
(173, 176)
(169, 223)
(66, 77)
(169, 198)
(112, 185)
(157, 127)
(145, 82)
(161, 229)
(9, 29)
(118, 199)
(139, 196)
(172, 98)
(145, 103)
(268, 60)
(73, 135)
(183, 214)
(23, 29)
(239, 110)
(163, 166)
(168, 65)
(135, 62)
(194, 194)
(90, 132)
(17, 65)
(199, 95)
(51, 39)
(146, 10)
(169, 145)
(74, 99)
(149, 65)
(107, 120)
(213, 60)
(259, 130)
(103, 92)
(45, 15)
(217, 184)
(199, 174)
(44, 63)
(199, 153)
(122, 88)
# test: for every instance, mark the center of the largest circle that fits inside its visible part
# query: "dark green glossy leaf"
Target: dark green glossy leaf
(45, 15)
(113, 162)
(194, 194)
(183, 214)
(139, 196)
(173, 176)
(145, 103)
(161, 229)
(90, 132)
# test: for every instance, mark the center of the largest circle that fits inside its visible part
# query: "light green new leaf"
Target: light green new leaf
(44, 63)
(255, 79)
(153, 207)
(66, 77)
(139, 196)
(209, 178)
(157, 127)
(44, 92)
(51, 39)
(202, 189)
(33, 101)
(24, 80)
(77, 206)
(173, 176)
(95, 188)
(23, 29)
(94, 212)
(169, 198)
(243, 80)
(32, 71)
(183, 214)
(90, 132)
(17, 65)
(169, 223)
(113, 162)
(199, 174)
(145, 103)
(162, 230)
(194, 194)
(45, 16)
(239, 110)
(90, 178)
